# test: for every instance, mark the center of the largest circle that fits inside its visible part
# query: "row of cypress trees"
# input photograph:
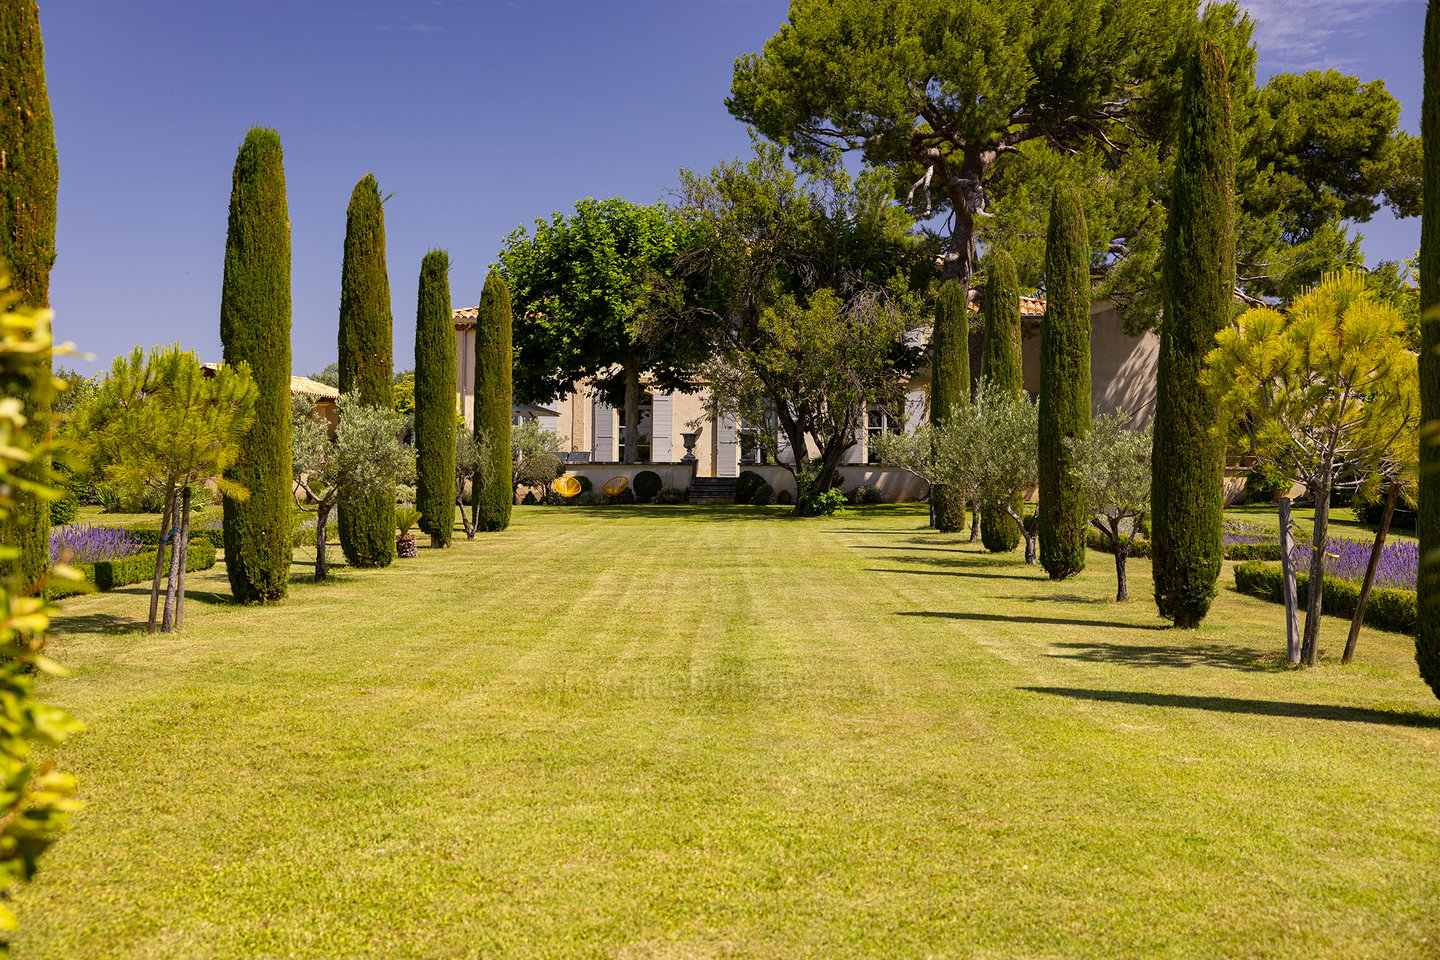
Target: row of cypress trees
(1064, 385)
(367, 529)
(255, 328)
(1188, 456)
(29, 183)
(1427, 638)
(435, 381)
(255, 320)
(949, 385)
(1199, 272)
(1001, 363)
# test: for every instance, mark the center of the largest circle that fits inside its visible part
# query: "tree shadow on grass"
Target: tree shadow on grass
(967, 555)
(1263, 708)
(1044, 621)
(213, 597)
(956, 563)
(882, 533)
(1194, 655)
(958, 573)
(1105, 601)
(103, 623)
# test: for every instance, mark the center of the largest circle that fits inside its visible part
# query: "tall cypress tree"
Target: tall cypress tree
(494, 399)
(29, 178)
(949, 385)
(1001, 363)
(1427, 639)
(435, 400)
(367, 528)
(1199, 272)
(1064, 384)
(255, 328)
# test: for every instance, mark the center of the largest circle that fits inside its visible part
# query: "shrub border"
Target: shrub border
(1394, 610)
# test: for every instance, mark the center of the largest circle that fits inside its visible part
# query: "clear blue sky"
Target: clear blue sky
(478, 116)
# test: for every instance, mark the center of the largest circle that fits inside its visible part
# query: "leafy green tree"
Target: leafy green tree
(949, 94)
(1427, 639)
(162, 421)
(803, 276)
(494, 400)
(39, 798)
(1199, 271)
(1317, 396)
(78, 391)
(405, 392)
(330, 376)
(255, 331)
(534, 456)
(367, 526)
(596, 293)
(1064, 386)
(1316, 153)
(949, 385)
(1325, 151)
(434, 382)
(1112, 463)
(1002, 364)
(29, 178)
(365, 458)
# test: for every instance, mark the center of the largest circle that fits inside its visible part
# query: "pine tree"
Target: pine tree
(949, 385)
(1199, 275)
(493, 403)
(29, 177)
(1427, 638)
(255, 329)
(367, 529)
(435, 400)
(1001, 364)
(1064, 385)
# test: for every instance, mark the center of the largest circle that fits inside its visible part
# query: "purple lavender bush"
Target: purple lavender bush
(1399, 567)
(1235, 532)
(80, 543)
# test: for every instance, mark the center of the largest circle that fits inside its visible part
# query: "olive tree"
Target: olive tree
(364, 459)
(991, 445)
(1112, 466)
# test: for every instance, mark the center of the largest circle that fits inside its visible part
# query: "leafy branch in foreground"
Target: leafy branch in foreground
(36, 800)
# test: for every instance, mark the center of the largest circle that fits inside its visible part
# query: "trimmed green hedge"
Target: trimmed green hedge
(1388, 609)
(746, 484)
(149, 535)
(1096, 540)
(109, 574)
(1253, 551)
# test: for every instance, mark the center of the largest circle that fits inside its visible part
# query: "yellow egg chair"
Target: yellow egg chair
(567, 487)
(615, 486)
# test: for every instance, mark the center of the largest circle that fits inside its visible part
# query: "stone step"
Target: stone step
(712, 490)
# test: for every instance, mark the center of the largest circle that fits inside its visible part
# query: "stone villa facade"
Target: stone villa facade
(1122, 378)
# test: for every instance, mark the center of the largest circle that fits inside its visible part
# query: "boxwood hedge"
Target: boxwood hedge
(1387, 609)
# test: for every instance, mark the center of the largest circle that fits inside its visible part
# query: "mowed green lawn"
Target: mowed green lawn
(690, 733)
